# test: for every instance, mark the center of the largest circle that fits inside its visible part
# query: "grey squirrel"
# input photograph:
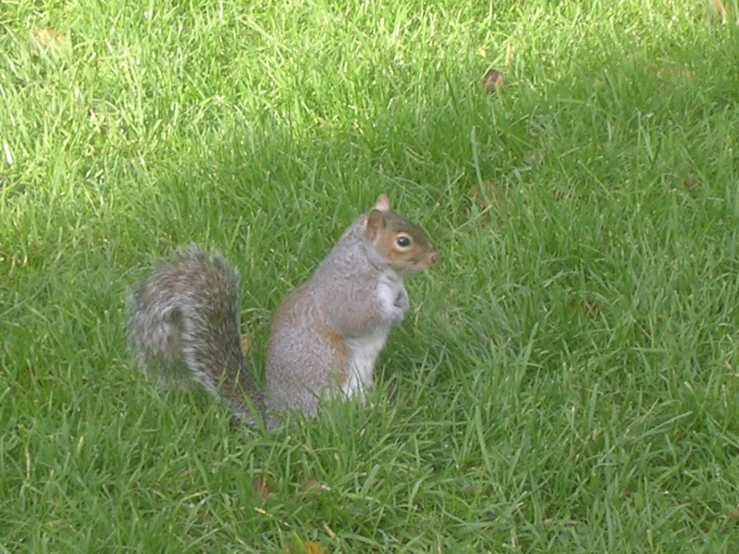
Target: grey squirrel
(183, 320)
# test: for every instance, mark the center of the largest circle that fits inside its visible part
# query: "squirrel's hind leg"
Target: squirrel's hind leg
(300, 374)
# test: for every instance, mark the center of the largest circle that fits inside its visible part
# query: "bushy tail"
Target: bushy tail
(184, 319)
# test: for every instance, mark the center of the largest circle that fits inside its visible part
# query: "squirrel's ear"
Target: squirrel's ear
(375, 224)
(383, 203)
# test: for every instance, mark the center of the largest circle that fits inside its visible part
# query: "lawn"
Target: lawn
(567, 379)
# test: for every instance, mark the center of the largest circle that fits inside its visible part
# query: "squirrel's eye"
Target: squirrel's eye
(403, 241)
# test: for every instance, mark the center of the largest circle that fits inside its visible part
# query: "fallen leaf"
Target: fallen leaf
(307, 547)
(691, 182)
(47, 42)
(492, 80)
(671, 72)
(245, 344)
(262, 487)
(589, 307)
(314, 547)
(311, 485)
(482, 195)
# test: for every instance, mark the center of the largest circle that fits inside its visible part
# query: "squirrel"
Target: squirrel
(183, 320)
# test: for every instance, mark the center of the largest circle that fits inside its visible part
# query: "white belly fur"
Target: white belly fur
(388, 289)
(363, 354)
(363, 351)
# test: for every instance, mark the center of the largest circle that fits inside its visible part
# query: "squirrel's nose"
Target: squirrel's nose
(433, 256)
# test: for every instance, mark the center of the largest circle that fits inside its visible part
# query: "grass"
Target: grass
(568, 378)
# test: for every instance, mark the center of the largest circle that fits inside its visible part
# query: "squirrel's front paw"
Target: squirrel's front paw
(401, 302)
(400, 306)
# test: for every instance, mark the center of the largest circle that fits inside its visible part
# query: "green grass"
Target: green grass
(568, 378)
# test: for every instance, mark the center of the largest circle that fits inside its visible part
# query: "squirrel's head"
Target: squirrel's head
(403, 244)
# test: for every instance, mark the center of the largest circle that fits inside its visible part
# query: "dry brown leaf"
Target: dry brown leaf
(311, 485)
(482, 195)
(307, 547)
(262, 487)
(589, 307)
(492, 80)
(47, 42)
(671, 72)
(691, 182)
(245, 344)
(314, 547)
